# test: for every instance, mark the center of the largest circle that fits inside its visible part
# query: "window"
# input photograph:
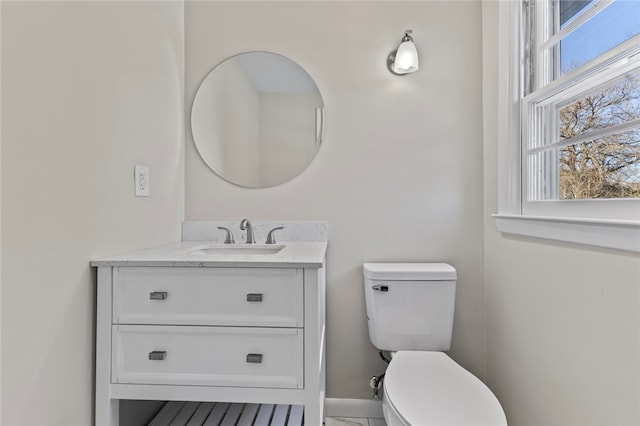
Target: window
(575, 120)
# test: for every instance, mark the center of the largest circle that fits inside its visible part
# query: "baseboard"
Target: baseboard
(344, 407)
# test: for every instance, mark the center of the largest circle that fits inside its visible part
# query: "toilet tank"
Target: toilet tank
(410, 305)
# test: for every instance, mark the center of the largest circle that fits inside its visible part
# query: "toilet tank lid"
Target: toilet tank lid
(409, 271)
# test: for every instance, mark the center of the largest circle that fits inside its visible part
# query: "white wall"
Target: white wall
(0, 218)
(88, 90)
(563, 321)
(399, 175)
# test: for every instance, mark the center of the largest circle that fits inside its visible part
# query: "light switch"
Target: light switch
(141, 181)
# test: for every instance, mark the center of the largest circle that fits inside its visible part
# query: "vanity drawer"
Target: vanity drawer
(258, 297)
(208, 356)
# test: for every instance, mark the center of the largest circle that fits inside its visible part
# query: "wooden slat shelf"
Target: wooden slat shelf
(181, 413)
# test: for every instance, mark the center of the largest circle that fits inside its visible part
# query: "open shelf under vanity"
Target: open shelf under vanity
(181, 413)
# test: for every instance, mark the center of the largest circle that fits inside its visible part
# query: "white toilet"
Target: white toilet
(410, 313)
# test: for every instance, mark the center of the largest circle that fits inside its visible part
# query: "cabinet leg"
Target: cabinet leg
(313, 415)
(108, 413)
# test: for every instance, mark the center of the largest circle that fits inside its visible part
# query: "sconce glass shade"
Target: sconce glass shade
(405, 59)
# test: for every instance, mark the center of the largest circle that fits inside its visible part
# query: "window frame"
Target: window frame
(588, 222)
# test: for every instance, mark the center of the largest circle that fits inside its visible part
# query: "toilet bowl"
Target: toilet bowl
(410, 310)
(429, 388)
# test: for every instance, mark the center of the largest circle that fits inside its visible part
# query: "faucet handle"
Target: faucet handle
(270, 238)
(229, 238)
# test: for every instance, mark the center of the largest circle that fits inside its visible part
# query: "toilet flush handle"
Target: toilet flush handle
(381, 287)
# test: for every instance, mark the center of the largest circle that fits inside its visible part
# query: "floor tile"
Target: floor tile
(377, 422)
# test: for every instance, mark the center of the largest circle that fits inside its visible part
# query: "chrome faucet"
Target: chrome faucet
(246, 225)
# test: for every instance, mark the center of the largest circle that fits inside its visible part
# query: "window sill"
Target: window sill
(614, 234)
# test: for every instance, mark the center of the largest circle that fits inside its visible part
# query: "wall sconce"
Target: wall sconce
(405, 59)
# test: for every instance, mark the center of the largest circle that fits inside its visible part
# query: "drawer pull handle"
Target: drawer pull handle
(157, 355)
(158, 295)
(254, 297)
(254, 358)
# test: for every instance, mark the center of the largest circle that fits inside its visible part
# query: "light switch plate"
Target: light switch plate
(141, 181)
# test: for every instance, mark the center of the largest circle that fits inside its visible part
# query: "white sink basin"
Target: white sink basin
(235, 250)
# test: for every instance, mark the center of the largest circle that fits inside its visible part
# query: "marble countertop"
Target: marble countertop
(189, 253)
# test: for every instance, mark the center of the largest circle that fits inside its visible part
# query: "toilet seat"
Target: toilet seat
(429, 388)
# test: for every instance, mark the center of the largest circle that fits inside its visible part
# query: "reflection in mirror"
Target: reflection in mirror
(258, 119)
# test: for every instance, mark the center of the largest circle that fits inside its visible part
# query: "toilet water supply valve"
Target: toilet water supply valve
(376, 381)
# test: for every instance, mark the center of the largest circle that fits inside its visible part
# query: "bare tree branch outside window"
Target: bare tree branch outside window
(605, 167)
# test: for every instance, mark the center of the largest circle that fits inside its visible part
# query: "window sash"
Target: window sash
(540, 137)
(620, 60)
(559, 33)
(587, 137)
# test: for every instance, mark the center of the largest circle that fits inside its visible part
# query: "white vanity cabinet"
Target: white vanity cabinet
(210, 331)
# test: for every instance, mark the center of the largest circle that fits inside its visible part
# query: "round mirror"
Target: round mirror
(257, 119)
